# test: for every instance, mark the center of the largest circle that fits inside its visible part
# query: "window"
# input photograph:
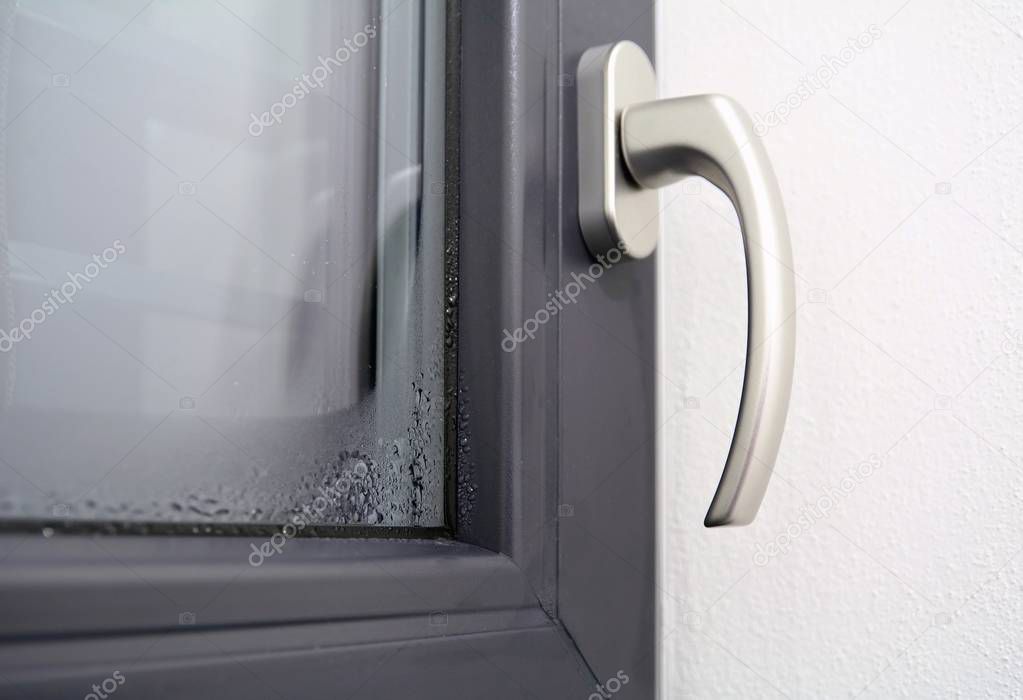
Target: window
(222, 249)
(439, 161)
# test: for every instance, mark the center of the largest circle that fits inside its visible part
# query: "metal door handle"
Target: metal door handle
(632, 144)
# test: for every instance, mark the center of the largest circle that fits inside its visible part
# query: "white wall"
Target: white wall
(903, 182)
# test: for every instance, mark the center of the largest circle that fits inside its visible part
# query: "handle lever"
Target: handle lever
(650, 143)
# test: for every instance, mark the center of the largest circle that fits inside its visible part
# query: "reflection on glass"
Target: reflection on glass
(221, 292)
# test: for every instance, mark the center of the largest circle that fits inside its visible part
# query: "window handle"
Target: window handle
(649, 143)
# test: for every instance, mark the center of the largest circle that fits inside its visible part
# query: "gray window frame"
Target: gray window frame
(545, 583)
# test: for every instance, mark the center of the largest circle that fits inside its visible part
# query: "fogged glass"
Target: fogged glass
(221, 261)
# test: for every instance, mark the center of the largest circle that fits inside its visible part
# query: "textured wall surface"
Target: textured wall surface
(886, 560)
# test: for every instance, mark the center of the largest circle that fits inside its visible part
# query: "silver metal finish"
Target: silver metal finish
(662, 141)
(613, 210)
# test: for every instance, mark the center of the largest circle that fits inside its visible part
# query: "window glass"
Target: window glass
(221, 261)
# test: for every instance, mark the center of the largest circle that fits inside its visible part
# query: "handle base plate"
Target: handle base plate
(613, 210)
